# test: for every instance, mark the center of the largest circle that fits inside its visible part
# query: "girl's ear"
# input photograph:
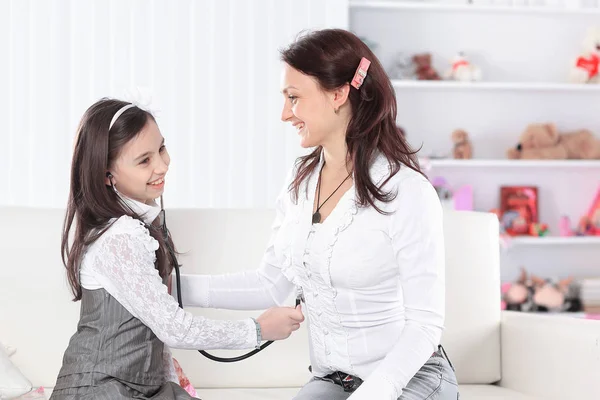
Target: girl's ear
(108, 180)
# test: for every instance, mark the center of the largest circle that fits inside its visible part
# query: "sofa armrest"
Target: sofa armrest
(554, 357)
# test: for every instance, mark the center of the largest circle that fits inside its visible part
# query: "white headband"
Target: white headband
(118, 114)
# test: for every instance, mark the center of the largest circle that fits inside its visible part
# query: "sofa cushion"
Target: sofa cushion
(467, 392)
(472, 334)
(12, 382)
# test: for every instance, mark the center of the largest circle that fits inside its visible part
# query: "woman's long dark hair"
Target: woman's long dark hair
(331, 56)
(92, 204)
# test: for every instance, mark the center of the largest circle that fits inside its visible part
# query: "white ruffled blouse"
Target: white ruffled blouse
(121, 262)
(373, 284)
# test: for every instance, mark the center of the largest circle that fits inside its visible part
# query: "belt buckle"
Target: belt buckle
(347, 381)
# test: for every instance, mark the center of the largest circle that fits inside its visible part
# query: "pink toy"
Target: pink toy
(184, 382)
(504, 289)
(459, 199)
(37, 394)
(463, 198)
(594, 211)
(589, 224)
(565, 226)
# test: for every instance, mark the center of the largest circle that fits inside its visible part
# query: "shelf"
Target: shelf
(429, 7)
(517, 86)
(475, 163)
(554, 240)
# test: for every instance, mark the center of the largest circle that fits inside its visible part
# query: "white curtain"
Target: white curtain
(213, 69)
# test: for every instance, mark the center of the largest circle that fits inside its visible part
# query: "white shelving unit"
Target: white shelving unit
(494, 86)
(525, 53)
(557, 241)
(455, 6)
(500, 163)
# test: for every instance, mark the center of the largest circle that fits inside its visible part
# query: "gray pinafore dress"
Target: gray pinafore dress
(113, 356)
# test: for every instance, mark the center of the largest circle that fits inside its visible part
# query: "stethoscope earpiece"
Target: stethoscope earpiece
(110, 179)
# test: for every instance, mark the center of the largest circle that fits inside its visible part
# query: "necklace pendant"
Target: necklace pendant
(316, 218)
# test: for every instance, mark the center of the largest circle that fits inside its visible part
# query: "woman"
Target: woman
(358, 231)
(118, 265)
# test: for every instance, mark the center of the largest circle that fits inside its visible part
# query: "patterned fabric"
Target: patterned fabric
(113, 355)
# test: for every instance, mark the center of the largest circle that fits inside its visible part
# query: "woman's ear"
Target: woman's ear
(340, 96)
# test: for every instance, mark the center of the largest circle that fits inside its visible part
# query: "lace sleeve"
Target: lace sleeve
(124, 263)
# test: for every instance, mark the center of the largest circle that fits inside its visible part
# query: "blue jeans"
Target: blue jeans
(434, 381)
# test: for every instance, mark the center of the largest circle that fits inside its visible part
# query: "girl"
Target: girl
(119, 263)
(358, 230)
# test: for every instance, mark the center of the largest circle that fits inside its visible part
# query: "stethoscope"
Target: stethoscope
(173, 259)
(175, 263)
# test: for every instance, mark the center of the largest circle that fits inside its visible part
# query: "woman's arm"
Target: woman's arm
(249, 290)
(416, 232)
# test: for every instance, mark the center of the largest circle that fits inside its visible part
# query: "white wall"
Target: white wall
(212, 66)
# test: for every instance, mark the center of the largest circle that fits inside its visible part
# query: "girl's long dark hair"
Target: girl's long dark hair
(331, 56)
(92, 204)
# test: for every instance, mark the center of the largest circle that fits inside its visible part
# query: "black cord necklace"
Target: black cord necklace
(316, 217)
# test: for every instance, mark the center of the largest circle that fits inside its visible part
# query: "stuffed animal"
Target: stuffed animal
(462, 70)
(463, 149)
(586, 67)
(542, 295)
(543, 141)
(402, 67)
(423, 68)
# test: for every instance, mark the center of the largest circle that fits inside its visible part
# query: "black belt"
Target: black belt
(349, 382)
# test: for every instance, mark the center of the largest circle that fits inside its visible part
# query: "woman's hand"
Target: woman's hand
(278, 323)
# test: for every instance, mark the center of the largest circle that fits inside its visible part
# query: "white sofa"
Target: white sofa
(497, 355)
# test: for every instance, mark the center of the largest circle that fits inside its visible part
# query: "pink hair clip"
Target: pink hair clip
(361, 73)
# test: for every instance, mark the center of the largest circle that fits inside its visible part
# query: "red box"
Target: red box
(518, 208)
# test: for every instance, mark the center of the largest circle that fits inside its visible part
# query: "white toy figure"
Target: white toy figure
(401, 67)
(463, 70)
(585, 68)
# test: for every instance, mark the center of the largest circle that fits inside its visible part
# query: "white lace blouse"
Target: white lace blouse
(373, 284)
(121, 262)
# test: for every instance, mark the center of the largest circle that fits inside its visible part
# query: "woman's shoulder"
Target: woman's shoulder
(129, 229)
(382, 172)
(411, 190)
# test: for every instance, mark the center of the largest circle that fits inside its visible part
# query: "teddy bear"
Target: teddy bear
(463, 70)
(462, 149)
(543, 141)
(586, 67)
(423, 68)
